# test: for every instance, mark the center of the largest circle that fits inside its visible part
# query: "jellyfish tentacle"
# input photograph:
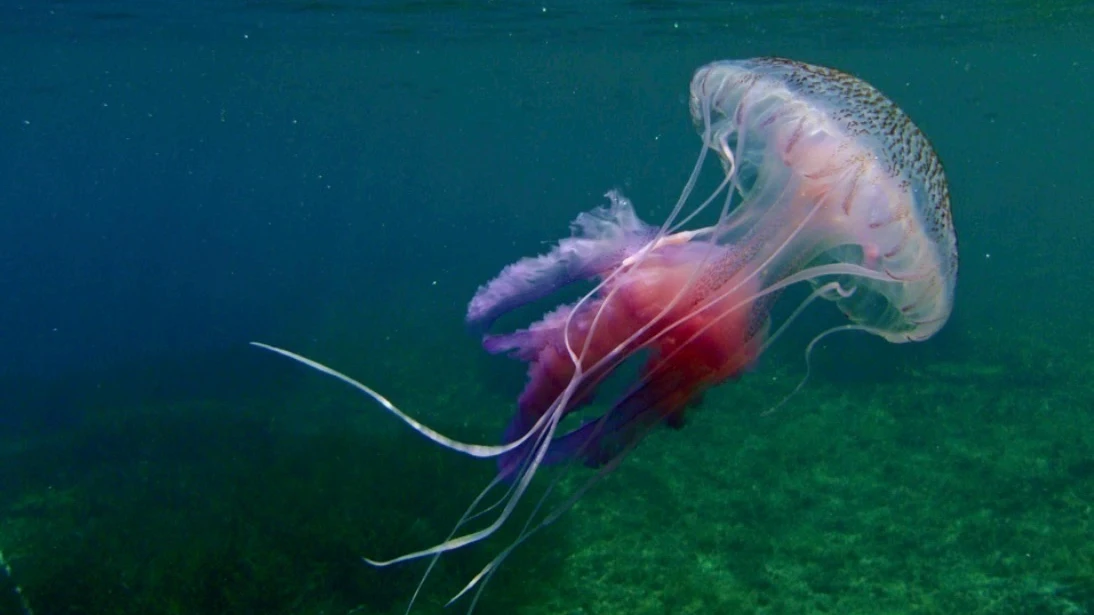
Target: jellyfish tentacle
(474, 450)
(808, 362)
(726, 182)
(528, 530)
(466, 518)
(472, 537)
(820, 291)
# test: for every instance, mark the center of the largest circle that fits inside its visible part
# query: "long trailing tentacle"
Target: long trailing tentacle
(808, 363)
(522, 483)
(468, 516)
(543, 432)
(474, 450)
(529, 529)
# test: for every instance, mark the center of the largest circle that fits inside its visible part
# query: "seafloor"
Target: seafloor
(951, 483)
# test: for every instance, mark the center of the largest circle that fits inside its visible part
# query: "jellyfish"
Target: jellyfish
(825, 183)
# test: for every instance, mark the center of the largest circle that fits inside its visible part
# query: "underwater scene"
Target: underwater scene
(546, 308)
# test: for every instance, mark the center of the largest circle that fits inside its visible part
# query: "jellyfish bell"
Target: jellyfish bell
(826, 182)
(826, 144)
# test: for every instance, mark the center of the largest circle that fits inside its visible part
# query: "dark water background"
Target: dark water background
(339, 177)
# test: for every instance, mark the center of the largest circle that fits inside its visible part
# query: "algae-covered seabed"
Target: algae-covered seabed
(948, 485)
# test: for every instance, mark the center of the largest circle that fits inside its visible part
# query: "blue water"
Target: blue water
(177, 179)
